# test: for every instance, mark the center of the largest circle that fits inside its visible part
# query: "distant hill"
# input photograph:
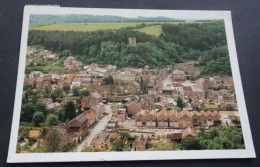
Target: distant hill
(73, 18)
(203, 42)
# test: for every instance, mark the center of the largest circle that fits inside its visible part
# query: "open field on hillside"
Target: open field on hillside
(151, 30)
(83, 26)
(88, 27)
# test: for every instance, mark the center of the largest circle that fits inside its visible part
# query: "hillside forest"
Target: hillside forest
(177, 43)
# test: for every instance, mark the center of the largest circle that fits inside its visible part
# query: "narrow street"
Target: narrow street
(167, 83)
(101, 125)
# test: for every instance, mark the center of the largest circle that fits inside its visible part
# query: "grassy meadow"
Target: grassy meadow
(151, 30)
(88, 27)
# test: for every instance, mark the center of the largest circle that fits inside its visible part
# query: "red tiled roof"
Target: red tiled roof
(202, 112)
(174, 112)
(208, 113)
(185, 112)
(214, 113)
(188, 132)
(90, 115)
(163, 112)
(195, 112)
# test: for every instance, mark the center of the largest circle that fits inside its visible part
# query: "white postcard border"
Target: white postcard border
(248, 152)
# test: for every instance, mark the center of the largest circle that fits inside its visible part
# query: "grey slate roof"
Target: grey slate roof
(81, 118)
(125, 77)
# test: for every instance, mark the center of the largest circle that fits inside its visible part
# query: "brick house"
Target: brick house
(162, 118)
(119, 114)
(185, 119)
(209, 118)
(195, 117)
(133, 108)
(91, 101)
(95, 109)
(176, 120)
(38, 82)
(102, 109)
(215, 115)
(46, 83)
(202, 118)
(67, 81)
(100, 141)
(188, 132)
(147, 102)
(141, 118)
(173, 119)
(122, 114)
(151, 119)
(78, 127)
(99, 110)
(123, 79)
(91, 118)
(178, 75)
(140, 143)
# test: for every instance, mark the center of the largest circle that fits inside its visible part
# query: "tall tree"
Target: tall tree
(53, 140)
(53, 95)
(84, 93)
(75, 90)
(66, 88)
(70, 111)
(190, 143)
(108, 81)
(38, 117)
(79, 110)
(27, 112)
(52, 120)
(180, 103)
(41, 108)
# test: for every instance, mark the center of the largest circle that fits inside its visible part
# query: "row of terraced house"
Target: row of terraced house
(174, 119)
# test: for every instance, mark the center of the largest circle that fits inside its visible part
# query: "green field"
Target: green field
(85, 27)
(82, 26)
(89, 27)
(53, 67)
(151, 30)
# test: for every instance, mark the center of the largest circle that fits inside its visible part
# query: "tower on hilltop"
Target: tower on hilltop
(132, 41)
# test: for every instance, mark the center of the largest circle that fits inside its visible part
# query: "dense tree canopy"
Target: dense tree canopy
(205, 42)
(66, 88)
(38, 117)
(53, 141)
(83, 93)
(27, 112)
(224, 138)
(108, 81)
(180, 103)
(75, 90)
(52, 120)
(70, 110)
(40, 107)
